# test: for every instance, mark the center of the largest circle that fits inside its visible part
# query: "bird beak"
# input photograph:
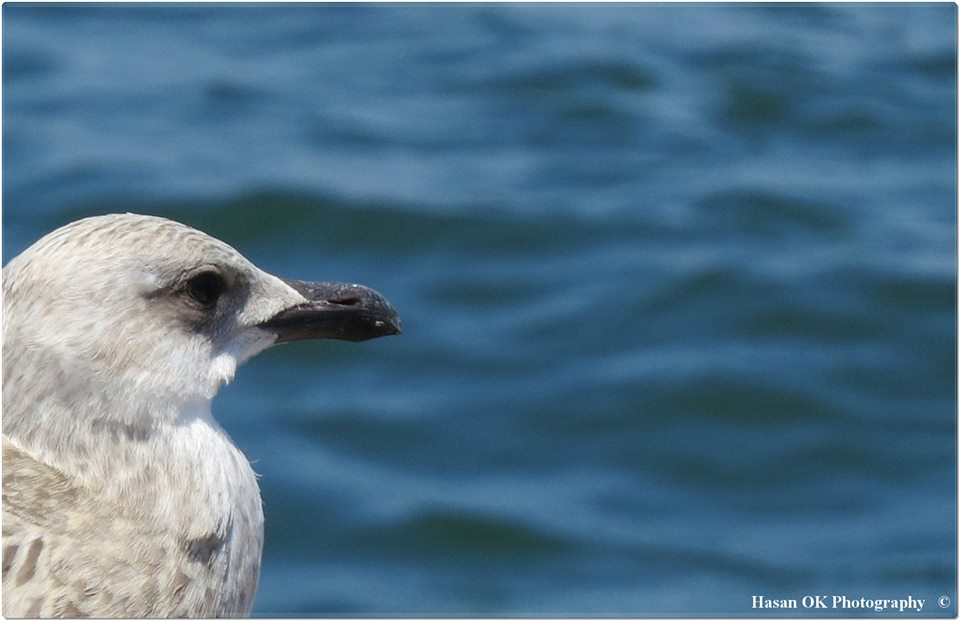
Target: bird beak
(334, 311)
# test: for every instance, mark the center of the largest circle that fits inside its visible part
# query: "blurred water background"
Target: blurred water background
(678, 284)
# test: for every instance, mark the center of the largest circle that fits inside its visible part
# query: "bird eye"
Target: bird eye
(205, 288)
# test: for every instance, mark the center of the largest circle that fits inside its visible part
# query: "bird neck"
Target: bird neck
(171, 448)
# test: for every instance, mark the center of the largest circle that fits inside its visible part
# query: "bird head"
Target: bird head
(143, 307)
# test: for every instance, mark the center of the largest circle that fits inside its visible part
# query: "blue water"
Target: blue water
(678, 285)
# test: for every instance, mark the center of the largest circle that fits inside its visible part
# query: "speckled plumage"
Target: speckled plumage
(122, 497)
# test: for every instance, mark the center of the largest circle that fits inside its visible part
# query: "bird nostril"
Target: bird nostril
(346, 301)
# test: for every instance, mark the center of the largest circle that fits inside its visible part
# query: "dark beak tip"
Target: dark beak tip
(388, 325)
(393, 328)
(338, 311)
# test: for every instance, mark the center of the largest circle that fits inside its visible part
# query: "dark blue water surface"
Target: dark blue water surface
(677, 283)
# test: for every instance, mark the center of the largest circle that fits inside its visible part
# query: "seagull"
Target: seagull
(122, 496)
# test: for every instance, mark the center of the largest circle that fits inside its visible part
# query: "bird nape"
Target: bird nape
(122, 496)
